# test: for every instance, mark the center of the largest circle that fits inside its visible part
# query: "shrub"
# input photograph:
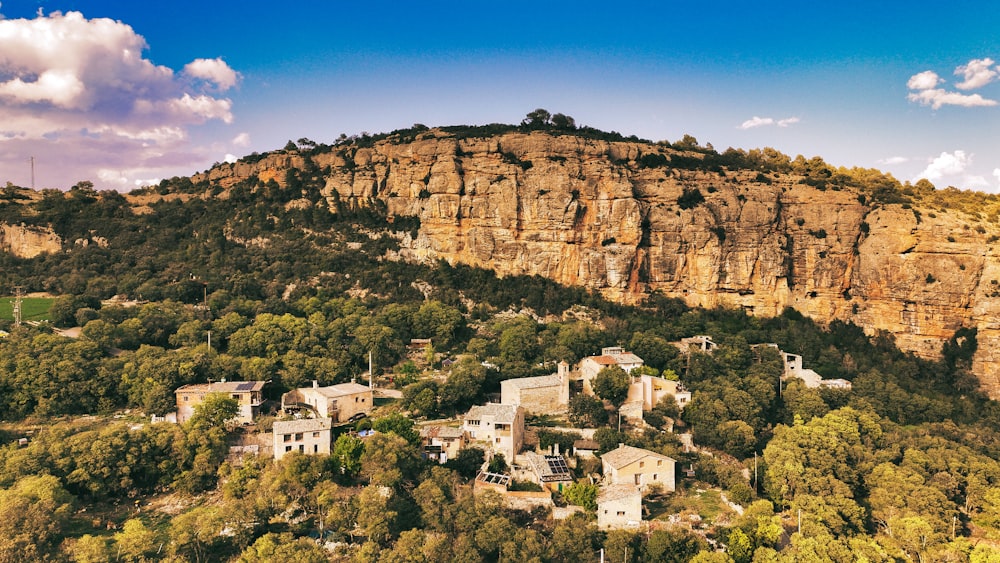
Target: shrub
(690, 198)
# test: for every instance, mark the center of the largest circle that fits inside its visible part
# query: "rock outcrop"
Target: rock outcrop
(27, 242)
(586, 212)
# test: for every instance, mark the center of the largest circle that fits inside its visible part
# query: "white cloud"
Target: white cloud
(230, 158)
(214, 70)
(923, 80)
(242, 140)
(79, 92)
(893, 160)
(937, 97)
(946, 165)
(977, 73)
(756, 121)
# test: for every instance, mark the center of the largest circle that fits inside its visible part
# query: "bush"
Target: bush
(690, 198)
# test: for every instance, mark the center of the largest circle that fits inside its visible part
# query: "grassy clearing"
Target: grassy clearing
(706, 502)
(32, 308)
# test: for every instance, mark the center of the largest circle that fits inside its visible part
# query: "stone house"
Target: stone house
(442, 443)
(700, 343)
(549, 471)
(611, 356)
(248, 394)
(497, 427)
(627, 465)
(619, 507)
(646, 391)
(538, 395)
(307, 435)
(341, 403)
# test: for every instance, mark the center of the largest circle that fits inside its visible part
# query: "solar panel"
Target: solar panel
(245, 386)
(557, 465)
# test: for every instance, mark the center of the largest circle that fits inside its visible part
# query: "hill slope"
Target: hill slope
(628, 219)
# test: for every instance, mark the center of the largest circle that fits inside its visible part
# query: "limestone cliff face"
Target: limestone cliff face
(28, 242)
(584, 212)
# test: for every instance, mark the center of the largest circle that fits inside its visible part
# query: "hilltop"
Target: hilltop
(628, 218)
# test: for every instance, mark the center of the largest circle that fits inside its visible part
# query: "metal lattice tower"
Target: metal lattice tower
(17, 306)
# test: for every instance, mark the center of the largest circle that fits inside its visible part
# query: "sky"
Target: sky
(125, 93)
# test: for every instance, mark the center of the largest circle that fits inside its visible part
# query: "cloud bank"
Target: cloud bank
(954, 168)
(975, 74)
(78, 92)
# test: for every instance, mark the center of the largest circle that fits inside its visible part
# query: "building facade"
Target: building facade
(538, 395)
(307, 436)
(619, 507)
(341, 403)
(627, 465)
(611, 356)
(441, 443)
(498, 427)
(249, 395)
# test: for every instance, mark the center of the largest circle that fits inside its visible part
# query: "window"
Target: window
(315, 448)
(286, 437)
(302, 449)
(235, 396)
(315, 434)
(298, 436)
(659, 462)
(498, 440)
(356, 399)
(638, 478)
(186, 398)
(472, 422)
(642, 464)
(621, 513)
(288, 448)
(654, 476)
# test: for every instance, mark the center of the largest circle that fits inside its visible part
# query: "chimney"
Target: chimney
(556, 448)
(315, 384)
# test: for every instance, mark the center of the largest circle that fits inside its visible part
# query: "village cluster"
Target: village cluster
(629, 473)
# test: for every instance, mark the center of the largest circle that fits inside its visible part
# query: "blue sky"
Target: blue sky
(907, 87)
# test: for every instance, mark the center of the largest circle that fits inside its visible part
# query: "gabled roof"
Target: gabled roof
(222, 387)
(549, 467)
(301, 425)
(339, 390)
(442, 432)
(611, 493)
(501, 413)
(533, 382)
(624, 455)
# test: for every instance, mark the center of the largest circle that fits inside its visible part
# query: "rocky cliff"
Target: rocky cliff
(28, 242)
(598, 214)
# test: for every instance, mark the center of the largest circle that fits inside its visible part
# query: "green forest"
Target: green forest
(902, 467)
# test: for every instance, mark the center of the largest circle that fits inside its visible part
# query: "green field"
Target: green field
(32, 308)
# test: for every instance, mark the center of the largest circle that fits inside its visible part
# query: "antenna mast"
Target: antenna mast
(32, 173)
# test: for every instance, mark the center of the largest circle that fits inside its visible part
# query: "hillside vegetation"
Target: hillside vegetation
(296, 285)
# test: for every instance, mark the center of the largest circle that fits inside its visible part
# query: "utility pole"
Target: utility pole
(32, 173)
(17, 306)
(371, 372)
